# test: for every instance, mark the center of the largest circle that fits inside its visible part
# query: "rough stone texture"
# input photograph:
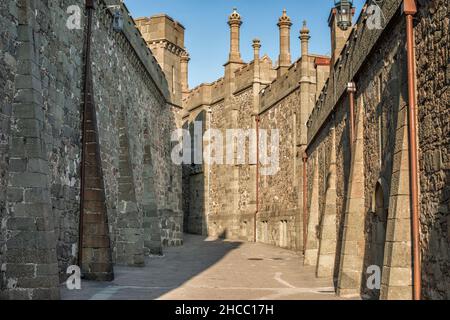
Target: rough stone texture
(358, 191)
(377, 158)
(165, 37)
(433, 82)
(8, 68)
(278, 199)
(41, 69)
(149, 122)
(372, 185)
(282, 101)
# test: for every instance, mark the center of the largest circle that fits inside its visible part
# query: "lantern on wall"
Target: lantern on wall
(344, 13)
(117, 20)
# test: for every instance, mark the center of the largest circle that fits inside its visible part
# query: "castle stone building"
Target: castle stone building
(342, 193)
(86, 118)
(352, 149)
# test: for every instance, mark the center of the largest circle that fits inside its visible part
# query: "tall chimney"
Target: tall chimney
(256, 54)
(306, 103)
(235, 23)
(304, 39)
(256, 75)
(184, 72)
(284, 61)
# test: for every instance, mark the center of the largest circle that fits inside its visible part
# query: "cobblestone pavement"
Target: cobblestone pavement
(212, 270)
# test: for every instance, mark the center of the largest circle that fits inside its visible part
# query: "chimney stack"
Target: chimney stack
(235, 23)
(284, 61)
(304, 39)
(256, 54)
(256, 75)
(184, 72)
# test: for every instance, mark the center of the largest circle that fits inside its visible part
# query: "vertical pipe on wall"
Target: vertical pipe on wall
(257, 178)
(351, 89)
(87, 61)
(305, 201)
(410, 9)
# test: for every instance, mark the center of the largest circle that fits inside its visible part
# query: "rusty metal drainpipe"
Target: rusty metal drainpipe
(305, 201)
(351, 89)
(410, 9)
(257, 178)
(90, 8)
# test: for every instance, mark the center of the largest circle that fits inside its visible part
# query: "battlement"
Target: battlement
(357, 47)
(161, 27)
(138, 44)
(288, 82)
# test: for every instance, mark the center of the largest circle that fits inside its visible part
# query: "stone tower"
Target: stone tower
(338, 36)
(165, 37)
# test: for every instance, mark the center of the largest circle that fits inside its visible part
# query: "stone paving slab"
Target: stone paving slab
(207, 269)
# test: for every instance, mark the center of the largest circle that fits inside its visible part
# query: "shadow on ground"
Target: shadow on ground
(160, 275)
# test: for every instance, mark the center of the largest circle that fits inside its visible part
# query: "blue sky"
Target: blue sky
(207, 32)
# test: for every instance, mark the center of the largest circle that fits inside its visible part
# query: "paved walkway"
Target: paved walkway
(212, 270)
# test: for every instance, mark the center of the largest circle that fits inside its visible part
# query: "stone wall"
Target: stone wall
(44, 151)
(433, 83)
(41, 65)
(372, 201)
(371, 173)
(149, 125)
(247, 92)
(279, 193)
(246, 201)
(225, 217)
(9, 16)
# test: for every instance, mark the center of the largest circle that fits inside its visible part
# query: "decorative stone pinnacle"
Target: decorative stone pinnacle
(235, 18)
(284, 20)
(304, 32)
(256, 44)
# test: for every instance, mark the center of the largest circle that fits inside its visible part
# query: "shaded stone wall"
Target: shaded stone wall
(372, 173)
(224, 218)
(195, 179)
(279, 193)
(41, 65)
(365, 236)
(8, 67)
(433, 83)
(43, 150)
(218, 203)
(149, 123)
(246, 205)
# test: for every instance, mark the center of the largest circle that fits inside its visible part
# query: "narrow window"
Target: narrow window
(173, 79)
(380, 87)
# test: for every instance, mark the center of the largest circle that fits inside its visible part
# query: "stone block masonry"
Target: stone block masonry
(372, 192)
(341, 192)
(433, 83)
(352, 211)
(41, 101)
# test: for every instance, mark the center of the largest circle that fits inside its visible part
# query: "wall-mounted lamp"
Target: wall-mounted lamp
(117, 20)
(344, 13)
(117, 23)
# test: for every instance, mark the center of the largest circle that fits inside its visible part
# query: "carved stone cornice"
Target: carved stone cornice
(168, 45)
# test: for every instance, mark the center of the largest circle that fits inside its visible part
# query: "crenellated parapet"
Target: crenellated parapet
(355, 51)
(289, 82)
(165, 38)
(131, 40)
